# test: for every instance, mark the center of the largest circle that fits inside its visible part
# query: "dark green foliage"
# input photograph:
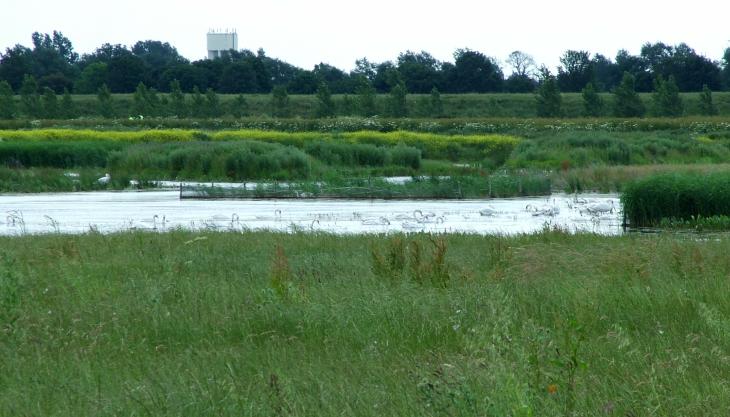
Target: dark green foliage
(626, 101)
(7, 101)
(592, 102)
(212, 104)
(29, 98)
(325, 104)
(279, 101)
(104, 98)
(178, 107)
(49, 103)
(548, 98)
(198, 107)
(347, 106)
(239, 106)
(56, 154)
(707, 106)
(68, 107)
(684, 196)
(366, 98)
(667, 102)
(436, 107)
(141, 103)
(575, 71)
(397, 106)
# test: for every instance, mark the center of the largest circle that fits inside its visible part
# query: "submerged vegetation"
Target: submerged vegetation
(304, 324)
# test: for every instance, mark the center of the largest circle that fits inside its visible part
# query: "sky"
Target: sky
(307, 32)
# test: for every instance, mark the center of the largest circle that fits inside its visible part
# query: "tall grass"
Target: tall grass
(681, 196)
(261, 324)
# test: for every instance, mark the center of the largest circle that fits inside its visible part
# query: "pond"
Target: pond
(108, 212)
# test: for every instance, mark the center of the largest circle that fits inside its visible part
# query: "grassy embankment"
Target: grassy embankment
(454, 105)
(226, 324)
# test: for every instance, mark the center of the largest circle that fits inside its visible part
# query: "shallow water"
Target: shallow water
(163, 210)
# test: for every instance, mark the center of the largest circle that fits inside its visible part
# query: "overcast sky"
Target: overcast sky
(307, 32)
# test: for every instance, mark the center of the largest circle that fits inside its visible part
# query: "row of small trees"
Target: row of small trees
(44, 103)
(626, 101)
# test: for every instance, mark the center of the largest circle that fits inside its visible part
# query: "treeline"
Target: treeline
(54, 65)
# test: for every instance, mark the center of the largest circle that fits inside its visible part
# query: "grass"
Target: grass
(679, 196)
(268, 324)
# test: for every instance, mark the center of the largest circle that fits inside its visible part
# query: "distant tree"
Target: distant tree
(575, 72)
(626, 101)
(397, 106)
(366, 98)
(726, 69)
(140, 101)
(666, 98)
(239, 106)
(420, 71)
(606, 73)
(325, 105)
(548, 99)
(592, 102)
(124, 73)
(7, 101)
(280, 101)
(347, 106)
(212, 104)
(522, 64)
(436, 106)
(106, 106)
(49, 103)
(473, 72)
(707, 107)
(637, 67)
(29, 98)
(198, 107)
(178, 107)
(68, 108)
(690, 70)
(516, 83)
(91, 78)
(15, 63)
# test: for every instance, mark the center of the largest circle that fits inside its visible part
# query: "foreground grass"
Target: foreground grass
(271, 324)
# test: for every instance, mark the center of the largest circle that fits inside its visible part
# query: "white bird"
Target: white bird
(411, 226)
(431, 220)
(600, 208)
(488, 211)
(105, 179)
(380, 221)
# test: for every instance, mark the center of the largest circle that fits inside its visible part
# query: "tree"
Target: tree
(726, 68)
(325, 105)
(366, 98)
(140, 101)
(707, 107)
(239, 106)
(690, 70)
(178, 107)
(7, 101)
(626, 102)
(436, 106)
(347, 106)
(49, 104)
(16, 62)
(212, 104)
(666, 98)
(106, 106)
(29, 99)
(517, 83)
(397, 106)
(473, 72)
(592, 102)
(68, 109)
(576, 71)
(606, 73)
(548, 99)
(91, 78)
(280, 101)
(420, 71)
(197, 108)
(522, 64)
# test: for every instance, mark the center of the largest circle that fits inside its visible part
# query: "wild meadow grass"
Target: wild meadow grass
(266, 324)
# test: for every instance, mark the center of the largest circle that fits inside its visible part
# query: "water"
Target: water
(163, 210)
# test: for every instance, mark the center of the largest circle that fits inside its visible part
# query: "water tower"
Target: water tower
(220, 41)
